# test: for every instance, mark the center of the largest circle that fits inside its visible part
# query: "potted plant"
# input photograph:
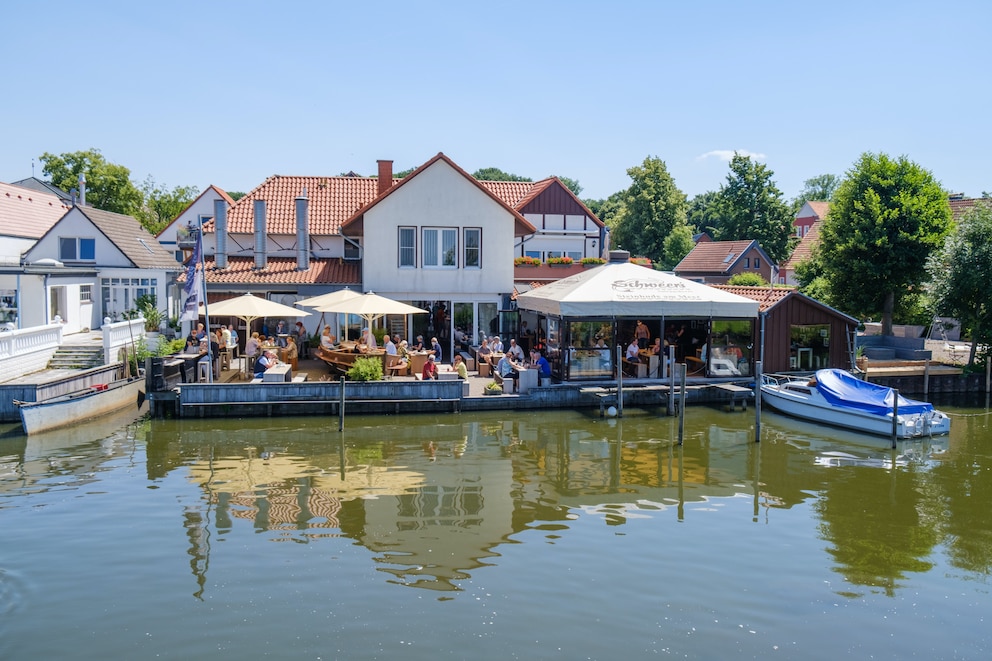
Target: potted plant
(560, 261)
(492, 388)
(589, 262)
(526, 261)
(860, 359)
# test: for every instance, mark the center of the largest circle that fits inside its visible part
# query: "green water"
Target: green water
(540, 535)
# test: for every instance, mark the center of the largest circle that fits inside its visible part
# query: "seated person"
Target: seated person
(430, 369)
(540, 363)
(460, 367)
(484, 353)
(418, 344)
(368, 337)
(265, 360)
(496, 345)
(504, 368)
(251, 346)
(390, 347)
(632, 350)
(292, 351)
(515, 351)
(281, 333)
(436, 349)
(657, 348)
(327, 341)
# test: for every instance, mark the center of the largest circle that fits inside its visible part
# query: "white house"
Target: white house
(93, 264)
(199, 211)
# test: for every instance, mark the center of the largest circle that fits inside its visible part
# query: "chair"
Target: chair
(225, 359)
(202, 371)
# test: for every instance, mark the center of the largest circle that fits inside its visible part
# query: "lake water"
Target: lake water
(538, 535)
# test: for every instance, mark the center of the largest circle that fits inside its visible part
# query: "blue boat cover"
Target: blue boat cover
(843, 389)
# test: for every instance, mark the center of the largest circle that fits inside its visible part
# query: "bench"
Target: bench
(485, 369)
(469, 360)
(635, 370)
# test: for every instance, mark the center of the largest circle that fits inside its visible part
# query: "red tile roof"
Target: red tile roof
(819, 208)
(713, 256)
(28, 213)
(282, 271)
(766, 297)
(804, 248)
(961, 206)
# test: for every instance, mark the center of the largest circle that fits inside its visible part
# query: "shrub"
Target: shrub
(366, 368)
(641, 261)
(494, 386)
(747, 280)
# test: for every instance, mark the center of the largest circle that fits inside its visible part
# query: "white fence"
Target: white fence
(28, 350)
(119, 335)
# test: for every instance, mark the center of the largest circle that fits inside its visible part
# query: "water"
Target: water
(548, 535)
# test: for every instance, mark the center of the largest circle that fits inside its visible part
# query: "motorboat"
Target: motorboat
(838, 398)
(74, 407)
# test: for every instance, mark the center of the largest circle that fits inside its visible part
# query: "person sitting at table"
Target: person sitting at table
(302, 339)
(390, 346)
(632, 350)
(496, 345)
(326, 339)
(460, 367)
(657, 348)
(201, 332)
(251, 346)
(515, 351)
(540, 363)
(504, 368)
(418, 344)
(360, 346)
(291, 352)
(281, 333)
(484, 353)
(436, 348)
(369, 337)
(430, 369)
(192, 343)
(265, 360)
(225, 334)
(235, 340)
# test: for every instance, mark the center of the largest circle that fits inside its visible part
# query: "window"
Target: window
(747, 262)
(473, 247)
(73, 249)
(408, 246)
(85, 293)
(440, 246)
(757, 263)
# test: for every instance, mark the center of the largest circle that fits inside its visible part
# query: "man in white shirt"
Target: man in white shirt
(390, 347)
(515, 351)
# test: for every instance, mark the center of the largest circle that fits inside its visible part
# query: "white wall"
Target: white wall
(75, 224)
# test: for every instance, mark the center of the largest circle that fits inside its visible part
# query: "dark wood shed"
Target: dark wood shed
(798, 333)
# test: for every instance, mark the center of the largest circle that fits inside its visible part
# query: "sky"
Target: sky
(230, 93)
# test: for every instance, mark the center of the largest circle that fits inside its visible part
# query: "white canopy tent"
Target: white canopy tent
(622, 289)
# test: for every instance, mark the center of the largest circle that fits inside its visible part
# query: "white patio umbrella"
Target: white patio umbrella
(370, 307)
(250, 307)
(329, 298)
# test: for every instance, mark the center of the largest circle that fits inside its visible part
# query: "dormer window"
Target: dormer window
(76, 249)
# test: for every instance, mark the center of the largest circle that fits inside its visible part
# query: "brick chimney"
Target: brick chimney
(385, 176)
(220, 234)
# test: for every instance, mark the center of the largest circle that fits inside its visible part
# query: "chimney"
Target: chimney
(302, 232)
(385, 176)
(260, 236)
(220, 231)
(619, 256)
(82, 189)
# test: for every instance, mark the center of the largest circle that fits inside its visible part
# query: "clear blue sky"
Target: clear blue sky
(228, 93)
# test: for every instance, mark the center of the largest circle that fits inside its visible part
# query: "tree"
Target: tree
(960, 273)
(886, 218)
(108, 186)
(704, 214)
(236, 195)
(751, 208)
(495, 174)
(649, 210)
(749, 279)
(163, 205)
(821, 187)
(677, 245)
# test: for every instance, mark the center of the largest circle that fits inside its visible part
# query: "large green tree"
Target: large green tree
(960, 273)
(649, 210)
(108, 185)
(677, 245)
(820, 187)
(704, 214)
(495, 174)
(751, 208)
(886, 218)
(163, 204)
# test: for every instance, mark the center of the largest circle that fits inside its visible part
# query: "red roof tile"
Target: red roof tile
(804, 248)
(282, 271)
(961, 206)
(820, 209)
(765, 296)
(28, 213)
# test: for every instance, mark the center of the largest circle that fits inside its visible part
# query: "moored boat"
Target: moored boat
(838, 398)
(75, 407)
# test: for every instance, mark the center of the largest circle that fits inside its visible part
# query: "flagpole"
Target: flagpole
(206, 309)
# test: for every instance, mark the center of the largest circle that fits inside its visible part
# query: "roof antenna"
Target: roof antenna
(32, 168)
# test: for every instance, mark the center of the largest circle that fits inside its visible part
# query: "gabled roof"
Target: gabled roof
(769, 297)
(804, 249)
(134, 241)
(27, 213)
(282, 271)
(353, 225)
(717, 257)
(818, 207)
(962, 205)
(218, 191)
(510, 190)
(36, 184)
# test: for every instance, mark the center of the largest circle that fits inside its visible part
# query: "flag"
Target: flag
(193, 286)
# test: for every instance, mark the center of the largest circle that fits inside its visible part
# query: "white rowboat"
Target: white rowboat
(72, 408)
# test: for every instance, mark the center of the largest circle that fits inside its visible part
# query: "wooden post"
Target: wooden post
(926, 379)
(671, 379)
(895, 415)
(682, 404)
(341, 407)
(619, 381)
(758, 376)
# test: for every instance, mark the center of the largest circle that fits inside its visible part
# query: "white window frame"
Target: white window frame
(401, 248)
(467, 249)
(434, 250)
